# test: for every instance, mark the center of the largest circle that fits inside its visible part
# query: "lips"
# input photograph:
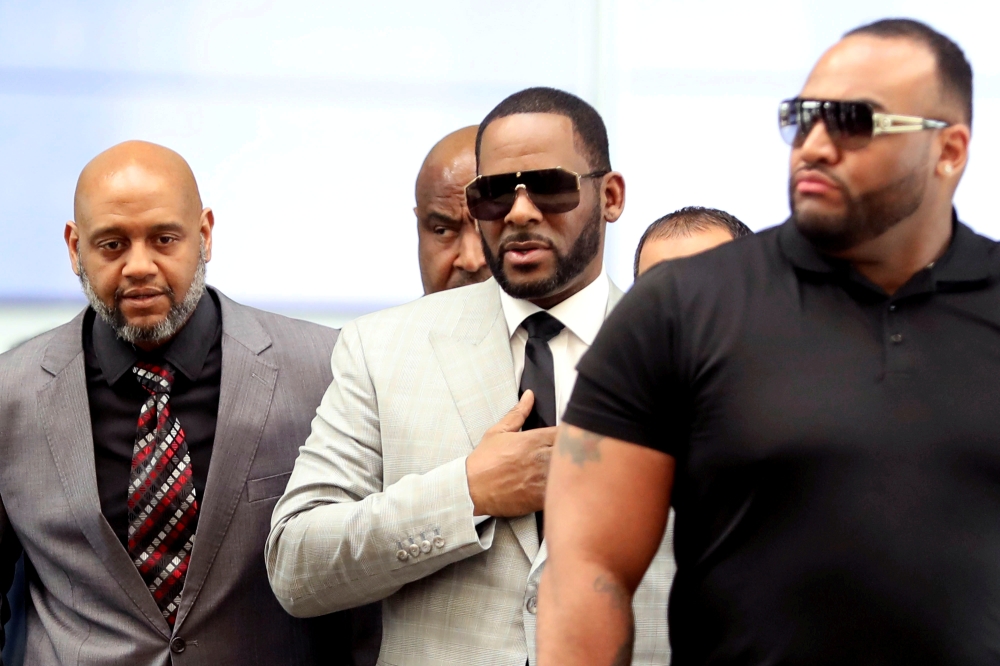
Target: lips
(813, 182)
(524, 253)
(141, 297)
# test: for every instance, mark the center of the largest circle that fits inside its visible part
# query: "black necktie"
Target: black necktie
(539, 375)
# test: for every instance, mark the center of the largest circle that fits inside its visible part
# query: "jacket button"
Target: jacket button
(414, 550)
(402, 555)
(178, 645)
(425, 546)
(532, 605)
(439, 542)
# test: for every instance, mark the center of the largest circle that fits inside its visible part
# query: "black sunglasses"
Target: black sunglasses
(849, 124)
(556, 190)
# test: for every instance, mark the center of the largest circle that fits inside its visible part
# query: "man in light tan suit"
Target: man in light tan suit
(423, 480)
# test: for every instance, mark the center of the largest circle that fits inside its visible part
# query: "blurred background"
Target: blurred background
(305, 121)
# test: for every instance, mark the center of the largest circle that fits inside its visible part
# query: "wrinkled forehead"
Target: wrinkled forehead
(527, 141)
(897, 75)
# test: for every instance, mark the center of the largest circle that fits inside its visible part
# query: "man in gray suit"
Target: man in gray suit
(424, 477)
(144, 444)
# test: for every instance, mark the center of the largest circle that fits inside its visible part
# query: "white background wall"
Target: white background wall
(305, 121)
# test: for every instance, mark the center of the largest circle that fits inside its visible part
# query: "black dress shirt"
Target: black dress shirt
(837, 448)
(116, 397)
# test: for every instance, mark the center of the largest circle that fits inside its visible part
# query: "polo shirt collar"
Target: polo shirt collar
(187, 352)
(582, 313)
(969, 257)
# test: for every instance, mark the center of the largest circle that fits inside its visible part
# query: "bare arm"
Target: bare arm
(606, 508)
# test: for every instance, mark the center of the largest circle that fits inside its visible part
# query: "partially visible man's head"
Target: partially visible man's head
(450, 251)
(685, 232)
(843, 195)
(139, 240)
(542, 256)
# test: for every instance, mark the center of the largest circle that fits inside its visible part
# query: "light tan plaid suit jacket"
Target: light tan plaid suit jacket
(378, 504)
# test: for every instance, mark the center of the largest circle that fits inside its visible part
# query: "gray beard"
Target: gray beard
(159, 333)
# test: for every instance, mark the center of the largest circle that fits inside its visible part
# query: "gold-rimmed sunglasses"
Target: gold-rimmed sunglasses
(849, 124)
(555, 190)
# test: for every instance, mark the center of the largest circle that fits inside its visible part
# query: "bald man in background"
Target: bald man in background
(145, 443)
(450, 249)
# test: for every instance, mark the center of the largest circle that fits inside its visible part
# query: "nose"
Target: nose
(523, 211)
(818, 146)
(139, 264)
(470, 253)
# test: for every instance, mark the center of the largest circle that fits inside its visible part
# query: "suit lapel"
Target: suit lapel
(476, 362)
(64, 410)
(247, 388)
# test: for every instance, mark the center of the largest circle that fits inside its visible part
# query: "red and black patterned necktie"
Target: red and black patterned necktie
(162, 507)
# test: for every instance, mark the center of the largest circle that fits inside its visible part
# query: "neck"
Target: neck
(575, 286)
(890, 260)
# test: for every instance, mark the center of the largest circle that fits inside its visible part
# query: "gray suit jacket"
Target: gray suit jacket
(87, 603)
(378, 505)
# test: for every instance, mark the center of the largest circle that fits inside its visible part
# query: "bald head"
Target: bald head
(448, 157)
(127, 167)
(450, 251)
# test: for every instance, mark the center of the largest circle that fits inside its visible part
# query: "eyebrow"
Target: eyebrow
(160, 228)
(875, 105)
(441, 217)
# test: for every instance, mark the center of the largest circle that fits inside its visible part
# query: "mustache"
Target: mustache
(133, 290)
(522, 237)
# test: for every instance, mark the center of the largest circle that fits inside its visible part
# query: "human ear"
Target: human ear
(613, 196)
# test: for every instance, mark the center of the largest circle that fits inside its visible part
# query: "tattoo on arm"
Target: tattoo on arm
(622, 602)
(582, 447)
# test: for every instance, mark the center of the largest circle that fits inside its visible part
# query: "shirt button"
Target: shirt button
(892, 308)
(439, 542)
(425, 546)
(896, 338)
(532, 605)
(401, 555)
(178, 645)
(414, 550)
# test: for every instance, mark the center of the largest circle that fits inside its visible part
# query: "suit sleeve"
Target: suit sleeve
(339, 539)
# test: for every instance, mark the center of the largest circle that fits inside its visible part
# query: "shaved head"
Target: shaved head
(450, 253)
(118, 167)
(140, 240)
(446, 157)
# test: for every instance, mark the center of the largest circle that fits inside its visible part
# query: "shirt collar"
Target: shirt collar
(582, 313)
(969, 257)
(187, 352)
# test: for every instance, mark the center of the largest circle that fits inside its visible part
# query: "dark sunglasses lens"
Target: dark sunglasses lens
(849, 124)
(552, 190)
(491, 197)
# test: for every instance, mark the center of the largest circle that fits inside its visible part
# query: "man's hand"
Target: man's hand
(509, 469)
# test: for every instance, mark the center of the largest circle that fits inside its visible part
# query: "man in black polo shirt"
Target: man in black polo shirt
(819, 402)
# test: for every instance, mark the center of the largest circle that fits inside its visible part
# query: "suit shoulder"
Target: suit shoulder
(432, 312)
(17, 362)
(289, 338)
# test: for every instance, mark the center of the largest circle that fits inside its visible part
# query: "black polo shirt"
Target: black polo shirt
(838, 450)
(116, 398)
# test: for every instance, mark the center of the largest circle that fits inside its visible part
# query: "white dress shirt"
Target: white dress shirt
(582, 315)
